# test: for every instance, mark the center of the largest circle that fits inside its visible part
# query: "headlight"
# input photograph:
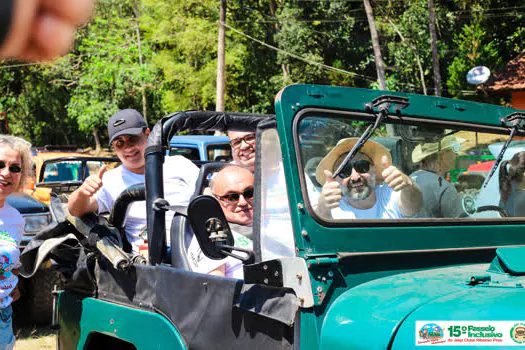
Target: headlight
(36, 222)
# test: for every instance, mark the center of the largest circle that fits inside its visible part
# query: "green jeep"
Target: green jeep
(316, 283)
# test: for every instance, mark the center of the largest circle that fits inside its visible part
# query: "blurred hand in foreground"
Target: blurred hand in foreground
(42, 30)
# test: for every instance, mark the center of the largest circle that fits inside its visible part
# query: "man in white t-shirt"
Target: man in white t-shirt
(233, 188)
(128, 134)
(356, 192)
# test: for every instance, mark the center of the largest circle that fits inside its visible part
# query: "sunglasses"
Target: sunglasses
(248, 139)
(361, 166)
(235, 196)
(131, 141)
(13, 168)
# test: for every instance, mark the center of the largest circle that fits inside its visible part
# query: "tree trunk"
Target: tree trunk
(98, 147)
(221, 75)
(380, 67)
(433, 42)
(284, 67)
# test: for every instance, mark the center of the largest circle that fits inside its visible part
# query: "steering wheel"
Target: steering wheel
(502, 212)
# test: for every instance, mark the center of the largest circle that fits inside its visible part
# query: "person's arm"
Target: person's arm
(219, 271)
(410, 199)
(16, 293)
(329, 197)
(81, 201)
(40, 30)
(450, 202)
(410, 196)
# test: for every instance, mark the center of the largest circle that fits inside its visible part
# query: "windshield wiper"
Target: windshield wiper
(383, 103)
(515, 122)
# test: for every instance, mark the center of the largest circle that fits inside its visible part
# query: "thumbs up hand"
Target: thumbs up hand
(394, 178)
(93, 183)
(331, 195)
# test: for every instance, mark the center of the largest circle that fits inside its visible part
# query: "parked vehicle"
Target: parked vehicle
(36, 214)
(59, 173)
(317, 282)
(463, 163)
(201, 148)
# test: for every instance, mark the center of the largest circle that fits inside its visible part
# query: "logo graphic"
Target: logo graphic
(517, 333)
(431, 332)
(5, 267)
(119, 122)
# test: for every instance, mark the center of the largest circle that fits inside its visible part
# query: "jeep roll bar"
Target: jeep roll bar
(158, 142)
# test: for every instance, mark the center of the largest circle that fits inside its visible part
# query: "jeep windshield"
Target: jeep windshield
(425, 152)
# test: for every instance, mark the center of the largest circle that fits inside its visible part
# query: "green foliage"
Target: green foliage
(473, 50)
(165, 52)
(184, 35)
(107, 73)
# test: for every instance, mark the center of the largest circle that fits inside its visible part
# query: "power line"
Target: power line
(23, 65)
(299, 57)
(358, 19)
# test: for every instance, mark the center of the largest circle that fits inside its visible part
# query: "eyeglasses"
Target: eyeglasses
(14, 168)
(361, 166)
(235, 196)
(130, 141)
(249, 139)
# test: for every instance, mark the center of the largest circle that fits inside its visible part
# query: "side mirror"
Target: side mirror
(212, 230)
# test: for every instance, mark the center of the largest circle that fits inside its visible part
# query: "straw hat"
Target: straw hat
(371, 148)
(426, 149)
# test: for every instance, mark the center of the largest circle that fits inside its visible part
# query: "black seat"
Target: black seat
(180, 230)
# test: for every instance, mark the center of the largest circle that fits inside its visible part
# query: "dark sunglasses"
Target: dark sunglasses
(14, 168)
(361, 166)
(249, 139)
(234, 197)
(132, 140)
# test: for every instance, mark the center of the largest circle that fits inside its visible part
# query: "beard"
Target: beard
(366, 187)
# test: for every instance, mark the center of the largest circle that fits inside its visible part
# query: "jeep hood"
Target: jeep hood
(26, 204)
(383, 313)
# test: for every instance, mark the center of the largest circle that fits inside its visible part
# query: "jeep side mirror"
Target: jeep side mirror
(212, 230)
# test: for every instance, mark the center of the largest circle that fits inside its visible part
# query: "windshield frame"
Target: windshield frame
(317, 112)
(315, 237)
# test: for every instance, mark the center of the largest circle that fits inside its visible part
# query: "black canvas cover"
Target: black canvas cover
(209, 312)
(64, 250)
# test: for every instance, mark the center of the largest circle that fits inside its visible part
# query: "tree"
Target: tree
(433, 44)
(221, 74)
(107, 72)
(473, 50)
(380, 66)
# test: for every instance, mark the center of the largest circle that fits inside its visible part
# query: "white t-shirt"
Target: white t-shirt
(180, 175)
(11, 230)
(200, 263)
(386, 207)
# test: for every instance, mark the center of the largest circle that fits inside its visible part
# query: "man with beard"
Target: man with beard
(357, 193)
(232, 186)
(243, 149)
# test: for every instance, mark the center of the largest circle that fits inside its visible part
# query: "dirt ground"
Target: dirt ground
(32, 338)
